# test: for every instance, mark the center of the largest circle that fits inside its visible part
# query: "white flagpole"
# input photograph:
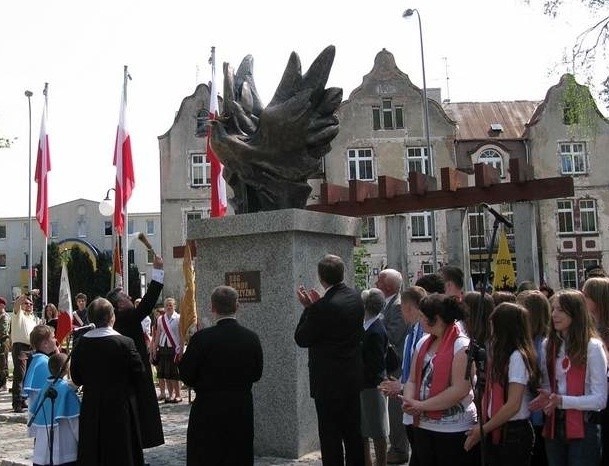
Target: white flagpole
(45, 252)
(126, 224)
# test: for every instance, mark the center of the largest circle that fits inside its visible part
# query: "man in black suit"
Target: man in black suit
(221, 363)
(331, 327)
(129, 323)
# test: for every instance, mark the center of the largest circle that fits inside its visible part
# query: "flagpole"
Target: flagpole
(29, 95)
(45, 252)
(125, 244)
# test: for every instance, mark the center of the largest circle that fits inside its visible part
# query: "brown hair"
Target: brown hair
(53, 308)
(512, 332)
(478, 327)
(414, 294)
(39, 334)
(503, 297)
(596, 289)
(57, 361)
(540, 311)
(572, 303)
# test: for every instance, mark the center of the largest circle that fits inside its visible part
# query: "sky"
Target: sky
(475, 50)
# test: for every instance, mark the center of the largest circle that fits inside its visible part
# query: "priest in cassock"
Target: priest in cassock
(108, 366)
(129, 323)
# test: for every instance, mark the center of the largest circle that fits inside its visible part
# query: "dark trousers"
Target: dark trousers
(397, 434)
(4, 350)
(539, 457)
(605, 437)
(516, 446)
(414, 459)
(19, 353)
(338, 422)
(443, 449)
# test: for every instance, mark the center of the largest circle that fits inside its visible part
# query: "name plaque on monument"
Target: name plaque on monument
(247, 285)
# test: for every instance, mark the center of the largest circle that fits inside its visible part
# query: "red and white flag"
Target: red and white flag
(218, 185)
(43, 167)
(64, 320)
(125, 177)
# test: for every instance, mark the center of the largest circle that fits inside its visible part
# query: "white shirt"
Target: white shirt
(173, 324)
(595, 389)
(518, 373)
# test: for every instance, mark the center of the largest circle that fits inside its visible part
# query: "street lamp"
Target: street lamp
(106, 206)
(29, 95)
(434, 247)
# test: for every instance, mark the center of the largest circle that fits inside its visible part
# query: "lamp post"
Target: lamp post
(434, 247)
(29, 94)
(106, 208)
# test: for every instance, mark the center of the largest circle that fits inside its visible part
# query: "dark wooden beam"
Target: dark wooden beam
(419, 183)
(486, 175)
(534, 190)
(333, 193)
(520, 171)
(390, 187)
(361, 190)
(178, 251)
(453, 179)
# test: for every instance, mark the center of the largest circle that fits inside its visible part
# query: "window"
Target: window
(150, 227)
(130, 229)
(369, 228)
(387, 116)
(107, 228)
(54, 229)
(399, 117)
(589, 264)
(2, 231)
(477, 238)
(26, 230)
(149, 256)
(507, 210)
(492, 157)
(568, 273)
(130, 256)
(191, 215)
(361, 166)
(587, 215)
(573, 158)
(427, 268)
(200, 171)
(81, 227)
(565, 216)
(376, 118)
(417, 160)
(420, 224)
(2, 260)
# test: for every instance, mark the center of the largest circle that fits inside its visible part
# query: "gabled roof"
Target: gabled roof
(474, 119)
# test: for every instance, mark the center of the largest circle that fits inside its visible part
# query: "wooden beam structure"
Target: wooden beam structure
(393, 196)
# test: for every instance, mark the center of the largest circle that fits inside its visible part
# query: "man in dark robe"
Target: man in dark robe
(108, 366)
(221, 363)
(129, 323)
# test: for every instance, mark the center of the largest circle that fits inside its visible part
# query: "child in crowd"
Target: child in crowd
(64, 420)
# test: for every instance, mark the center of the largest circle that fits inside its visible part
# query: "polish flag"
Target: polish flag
(43, 167)
(218, 185)
(125, 177)
(64, 320)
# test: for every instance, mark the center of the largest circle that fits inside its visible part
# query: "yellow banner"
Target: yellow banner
(504, 277)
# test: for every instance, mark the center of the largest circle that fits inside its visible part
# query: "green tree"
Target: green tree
(360, 267)
(590, 47)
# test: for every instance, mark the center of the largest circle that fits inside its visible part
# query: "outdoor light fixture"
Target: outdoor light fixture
(106, 206)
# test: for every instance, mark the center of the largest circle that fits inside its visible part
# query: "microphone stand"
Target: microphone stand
(51, 394)
(476, 353)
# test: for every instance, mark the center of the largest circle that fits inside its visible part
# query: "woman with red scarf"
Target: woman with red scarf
(505, 404)
(574, 369)
(437, 393)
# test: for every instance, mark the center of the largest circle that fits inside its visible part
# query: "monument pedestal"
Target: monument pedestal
(266, 256)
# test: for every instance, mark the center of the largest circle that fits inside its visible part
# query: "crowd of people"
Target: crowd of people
(505, 377)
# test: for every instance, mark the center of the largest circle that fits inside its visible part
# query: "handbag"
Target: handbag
(392, 360)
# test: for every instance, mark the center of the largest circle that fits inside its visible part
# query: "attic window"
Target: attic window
(497, 127)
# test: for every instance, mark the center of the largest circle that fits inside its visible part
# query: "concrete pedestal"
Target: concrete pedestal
(282, 248)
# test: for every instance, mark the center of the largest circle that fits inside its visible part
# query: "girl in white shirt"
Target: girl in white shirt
(574, 370)
(510, 372)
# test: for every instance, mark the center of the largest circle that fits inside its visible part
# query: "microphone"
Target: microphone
(83, 329)
(497, 215)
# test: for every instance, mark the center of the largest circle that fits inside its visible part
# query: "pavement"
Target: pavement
(16, 447)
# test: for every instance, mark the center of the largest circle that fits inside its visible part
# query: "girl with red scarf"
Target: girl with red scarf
(512, 368)
(574, 369)
(437, 394)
